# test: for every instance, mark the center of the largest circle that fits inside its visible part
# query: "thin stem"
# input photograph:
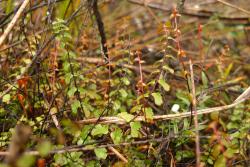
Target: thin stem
(234, 6)
(100, 25)
(194, 109)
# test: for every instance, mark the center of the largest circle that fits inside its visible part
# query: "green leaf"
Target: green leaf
(60, 159)
(116, 105)
(92, 86)
(2, 112)
(71, 54)
(168, 24)
(26, 161)
(6, 98)
(210, 161)
(84, 133)
(93, 95)
(68, 77)
(66, 66)
(27, 61)
(101, 153)
(53, 111)
(125, 81)
(75, 155)
(151, 83)
(149, 113)
(228, 70)
(136, 108)
(123, 93)
(204, 79)
(184, 154)
(74, 159)
(157, 98)
(75, 105)
(87, 108)
(44, 148)
(72, 91)
(100, 130)
(229, 153)
(220, 162)
(124, 115)
(9, 6)
(183, 97)
(165, 86)
(69, 159)
(167, 68)
(135, 127)
(93, 164)
(116, 135)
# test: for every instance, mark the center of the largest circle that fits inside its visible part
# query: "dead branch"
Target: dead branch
(18, 144)
(118, 120)
(13, 21)
(194, 110)
(192, 12)
(244, 95)
(234, 6)
(88, 148)
(100, 25)
(119, 155)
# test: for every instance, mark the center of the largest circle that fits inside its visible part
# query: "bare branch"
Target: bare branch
(245, 95)
(196, 124)
(234, 6)
(18, 143)
(193, 12)
(119, 155)
(13, 21)
(100, 25)
(86, 148)
(118, 120)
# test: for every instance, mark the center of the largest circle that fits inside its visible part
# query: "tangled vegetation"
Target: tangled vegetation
(124, 83)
